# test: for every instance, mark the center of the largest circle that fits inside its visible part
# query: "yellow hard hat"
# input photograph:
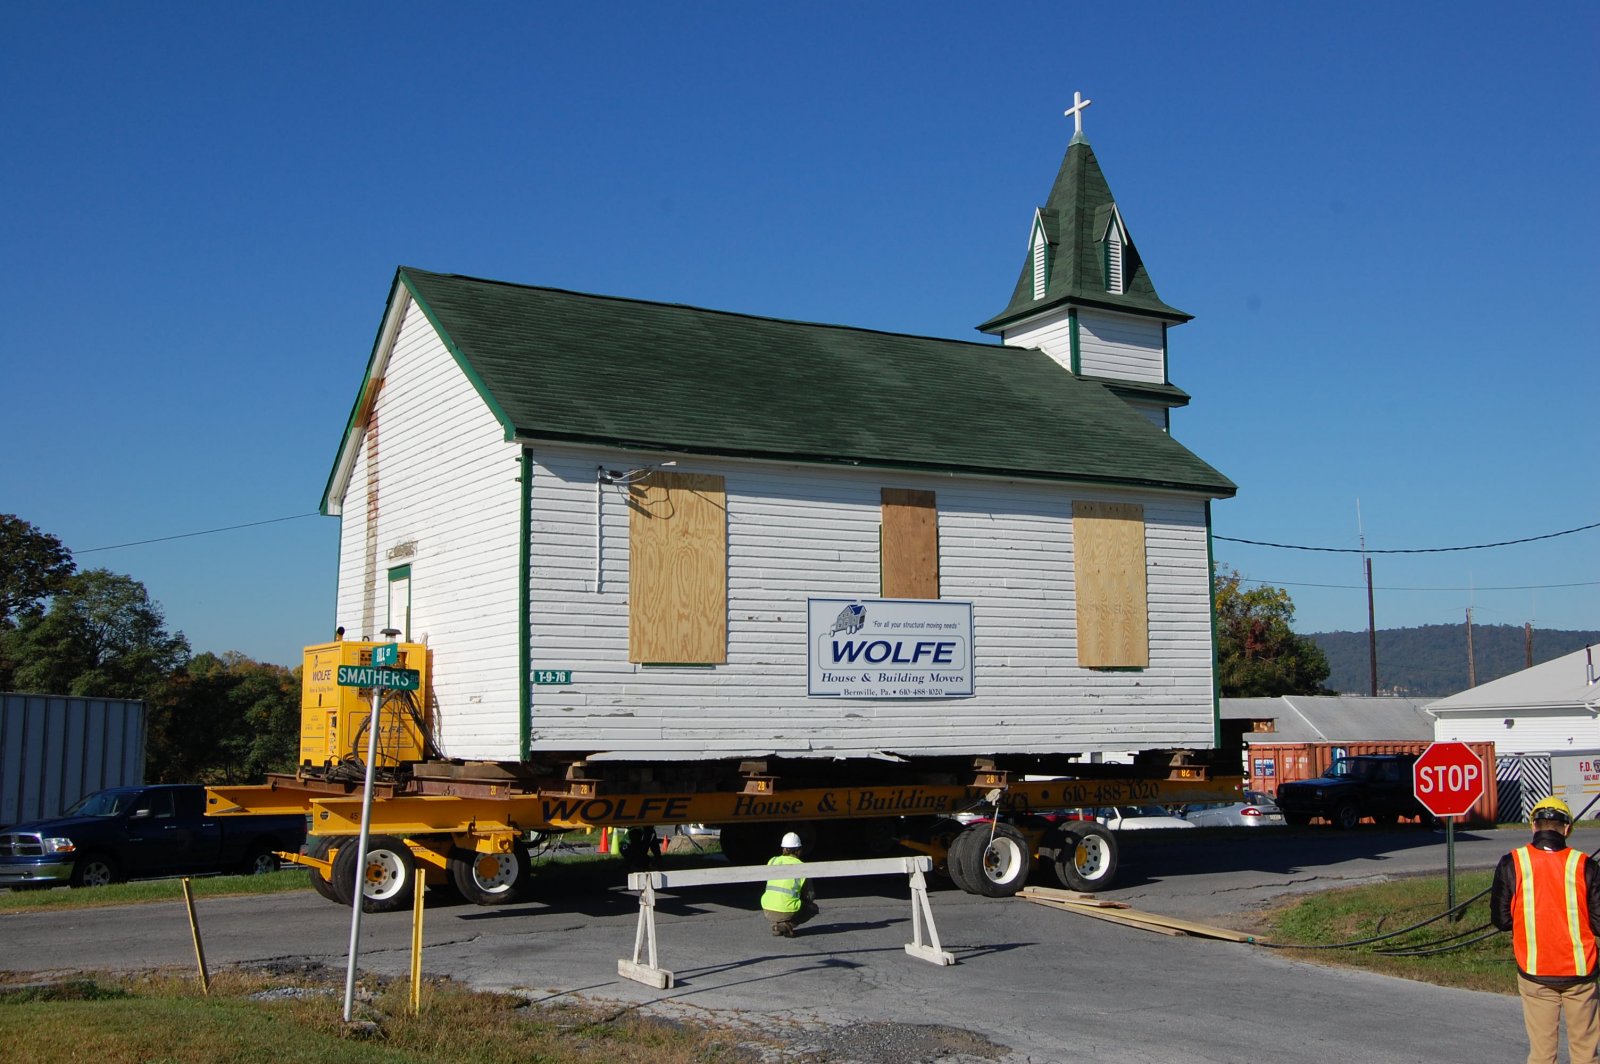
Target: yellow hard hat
(1551, 809)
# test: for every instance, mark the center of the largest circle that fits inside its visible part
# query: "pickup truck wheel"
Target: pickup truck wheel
(1087, 857)
(390, 876)
(1346, 815)
(1386, 820)
(491, 878)
(259, 860)
(1297, 820)
(95, 870)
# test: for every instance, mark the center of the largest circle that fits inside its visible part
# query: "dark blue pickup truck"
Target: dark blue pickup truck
(138, 832)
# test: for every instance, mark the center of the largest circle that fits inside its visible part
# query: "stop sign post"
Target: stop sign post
(1448, 781)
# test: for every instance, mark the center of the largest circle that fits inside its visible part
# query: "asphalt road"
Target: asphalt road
(1030, 984)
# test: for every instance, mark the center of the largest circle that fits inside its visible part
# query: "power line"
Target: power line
(1363, 587)
(1410, 550)
(190, 535)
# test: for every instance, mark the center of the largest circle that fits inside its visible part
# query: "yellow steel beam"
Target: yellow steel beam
(487, 818)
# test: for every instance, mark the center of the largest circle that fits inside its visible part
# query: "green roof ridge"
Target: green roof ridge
(566, 366)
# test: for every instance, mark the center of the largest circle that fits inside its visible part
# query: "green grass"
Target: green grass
(1355, 913)
(297, 1018)
(150, 890)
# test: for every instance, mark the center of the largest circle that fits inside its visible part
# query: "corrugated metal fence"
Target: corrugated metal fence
(54, 749)
(1522, 779)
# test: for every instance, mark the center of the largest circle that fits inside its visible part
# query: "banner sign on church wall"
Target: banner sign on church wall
(888, 648)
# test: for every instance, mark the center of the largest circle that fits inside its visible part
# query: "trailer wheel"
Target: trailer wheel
(390, 877)
(1087, 857)
(318, 846)
(957, 860)
(998, 865)
(491, 878)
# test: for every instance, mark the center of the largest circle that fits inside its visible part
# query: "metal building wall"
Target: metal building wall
(54, 749)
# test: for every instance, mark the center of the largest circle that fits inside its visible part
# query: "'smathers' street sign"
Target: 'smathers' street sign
(391, 679)
(1448, 778)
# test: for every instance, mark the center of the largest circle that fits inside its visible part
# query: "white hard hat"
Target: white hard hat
(790, 841)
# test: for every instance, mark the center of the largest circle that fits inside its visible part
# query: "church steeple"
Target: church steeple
(1079, 250)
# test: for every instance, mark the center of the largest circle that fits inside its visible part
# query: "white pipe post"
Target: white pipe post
(357, 894)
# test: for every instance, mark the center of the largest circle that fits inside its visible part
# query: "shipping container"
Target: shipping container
(1273, 764)
(54, 749)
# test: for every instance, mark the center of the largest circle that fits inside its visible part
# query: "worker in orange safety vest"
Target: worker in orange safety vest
(1548, 897)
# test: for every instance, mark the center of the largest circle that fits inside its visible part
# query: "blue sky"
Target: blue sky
(1382, 216)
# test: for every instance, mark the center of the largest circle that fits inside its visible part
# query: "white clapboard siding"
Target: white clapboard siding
(1050, 333)
(448, 505)
(1535, 731)
(1121, 346)
(795, 532)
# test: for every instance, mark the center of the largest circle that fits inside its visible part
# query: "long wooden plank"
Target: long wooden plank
(1165, 925)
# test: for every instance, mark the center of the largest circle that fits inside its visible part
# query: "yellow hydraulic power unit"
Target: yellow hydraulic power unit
(334, 719)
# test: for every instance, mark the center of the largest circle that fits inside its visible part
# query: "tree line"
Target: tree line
(210, 718)
(229, 719)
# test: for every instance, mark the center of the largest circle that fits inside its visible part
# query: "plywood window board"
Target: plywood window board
(1112, 596)
(910, 544)
(678, 569)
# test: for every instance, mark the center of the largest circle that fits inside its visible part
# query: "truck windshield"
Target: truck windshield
(1351, 768)
(102, 803)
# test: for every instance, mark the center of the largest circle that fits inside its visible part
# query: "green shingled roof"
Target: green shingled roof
(1075, 218)
(562, 366)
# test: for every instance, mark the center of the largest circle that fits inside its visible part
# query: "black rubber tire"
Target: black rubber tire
(95, 870)
(1386, 820)
(259, 859)
(1345, 816)
(391, 877)
(1000, 861)
(749, 844)
(491, 878)
(961, 856)
(318, 846)
(1086, 860)
(1297, 820)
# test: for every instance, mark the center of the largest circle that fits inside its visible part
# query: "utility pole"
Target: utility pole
(1372, 637)
(1472, 665)
(1527, 644)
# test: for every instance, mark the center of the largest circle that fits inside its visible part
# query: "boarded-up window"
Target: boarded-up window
(1113, 612)
(910, 551)
(678, 569)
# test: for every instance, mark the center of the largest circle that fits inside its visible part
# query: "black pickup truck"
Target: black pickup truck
(1369, 785)
(135, 832)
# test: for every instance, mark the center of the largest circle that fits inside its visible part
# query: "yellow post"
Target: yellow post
(416, 943)
(194, 931)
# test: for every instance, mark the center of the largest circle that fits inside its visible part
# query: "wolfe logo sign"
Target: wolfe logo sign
(888, 648)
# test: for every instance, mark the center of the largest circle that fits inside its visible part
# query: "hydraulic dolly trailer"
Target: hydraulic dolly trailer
(471, 827)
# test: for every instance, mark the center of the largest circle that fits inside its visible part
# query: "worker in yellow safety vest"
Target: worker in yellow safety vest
(1548, 897)
(788, 903)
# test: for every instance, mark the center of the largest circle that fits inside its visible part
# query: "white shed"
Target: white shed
(1550, 708)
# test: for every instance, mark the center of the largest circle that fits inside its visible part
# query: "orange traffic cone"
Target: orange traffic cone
(664, 841)
(605, 841)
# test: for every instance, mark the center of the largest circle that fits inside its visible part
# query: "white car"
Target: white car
(1138, 818)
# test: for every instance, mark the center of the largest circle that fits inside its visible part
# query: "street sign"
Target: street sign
(390, 679)
(1448, 779)
(387, 654)
(557, 676)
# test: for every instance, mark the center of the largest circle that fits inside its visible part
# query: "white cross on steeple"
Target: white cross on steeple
(1075, 112)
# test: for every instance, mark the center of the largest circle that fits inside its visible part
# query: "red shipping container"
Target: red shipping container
(1272, 764)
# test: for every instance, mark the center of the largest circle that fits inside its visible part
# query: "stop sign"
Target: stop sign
(1448, 779)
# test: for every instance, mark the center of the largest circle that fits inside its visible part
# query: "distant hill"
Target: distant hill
(1431, 661)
